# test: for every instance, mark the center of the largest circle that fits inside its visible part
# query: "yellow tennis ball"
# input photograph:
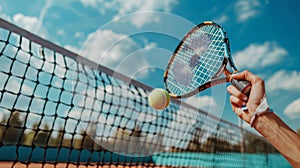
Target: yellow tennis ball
(159, 99)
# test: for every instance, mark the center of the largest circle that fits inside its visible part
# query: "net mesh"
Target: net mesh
(58, 109)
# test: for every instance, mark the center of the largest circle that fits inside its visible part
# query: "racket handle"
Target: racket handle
(242, 85)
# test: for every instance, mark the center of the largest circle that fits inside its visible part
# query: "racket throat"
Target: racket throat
(222, 69)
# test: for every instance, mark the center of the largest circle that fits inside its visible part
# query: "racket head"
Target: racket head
(198, 61)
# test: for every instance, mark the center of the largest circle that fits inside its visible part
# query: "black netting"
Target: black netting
(58, 109)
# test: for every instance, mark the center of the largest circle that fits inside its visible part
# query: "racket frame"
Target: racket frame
(215, 80)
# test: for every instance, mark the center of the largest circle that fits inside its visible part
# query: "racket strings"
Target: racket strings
(215, 54)
(199, 59)
(209, 64)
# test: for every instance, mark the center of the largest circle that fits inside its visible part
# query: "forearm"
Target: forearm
(284, 139)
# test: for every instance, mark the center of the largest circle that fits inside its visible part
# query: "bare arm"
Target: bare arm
(284, 139)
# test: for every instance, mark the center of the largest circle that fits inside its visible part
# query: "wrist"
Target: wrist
(263, 108)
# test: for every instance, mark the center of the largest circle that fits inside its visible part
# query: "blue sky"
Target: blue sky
(117, 34)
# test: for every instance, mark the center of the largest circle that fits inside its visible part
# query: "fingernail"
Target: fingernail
(245, 108)
(245, 98)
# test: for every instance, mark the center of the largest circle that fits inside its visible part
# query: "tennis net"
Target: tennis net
(59, 109)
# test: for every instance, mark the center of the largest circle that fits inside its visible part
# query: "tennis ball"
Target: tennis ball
(159, 99)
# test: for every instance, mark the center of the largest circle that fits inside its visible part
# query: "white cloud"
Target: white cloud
(79, 34)
(4, 16)
(29, 23)
(285, 80)
(149, 45)
(116, 51)
(72, 48)
(60, 32)
(92, 3)
(26, 22)
(246, 9)
(222, 19)
(260, 55)
(125, 7)
(206, 103)
(293, 109)
(107, 47)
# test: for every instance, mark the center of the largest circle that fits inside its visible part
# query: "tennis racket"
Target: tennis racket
(199, 60)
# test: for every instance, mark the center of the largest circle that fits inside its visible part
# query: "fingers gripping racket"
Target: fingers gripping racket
(199, 61)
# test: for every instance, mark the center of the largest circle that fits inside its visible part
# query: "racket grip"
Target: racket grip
(242, 85)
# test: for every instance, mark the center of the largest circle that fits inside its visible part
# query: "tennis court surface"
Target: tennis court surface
(58, 109)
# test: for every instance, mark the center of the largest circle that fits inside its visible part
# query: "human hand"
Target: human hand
(238, 99)
(281, 136)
